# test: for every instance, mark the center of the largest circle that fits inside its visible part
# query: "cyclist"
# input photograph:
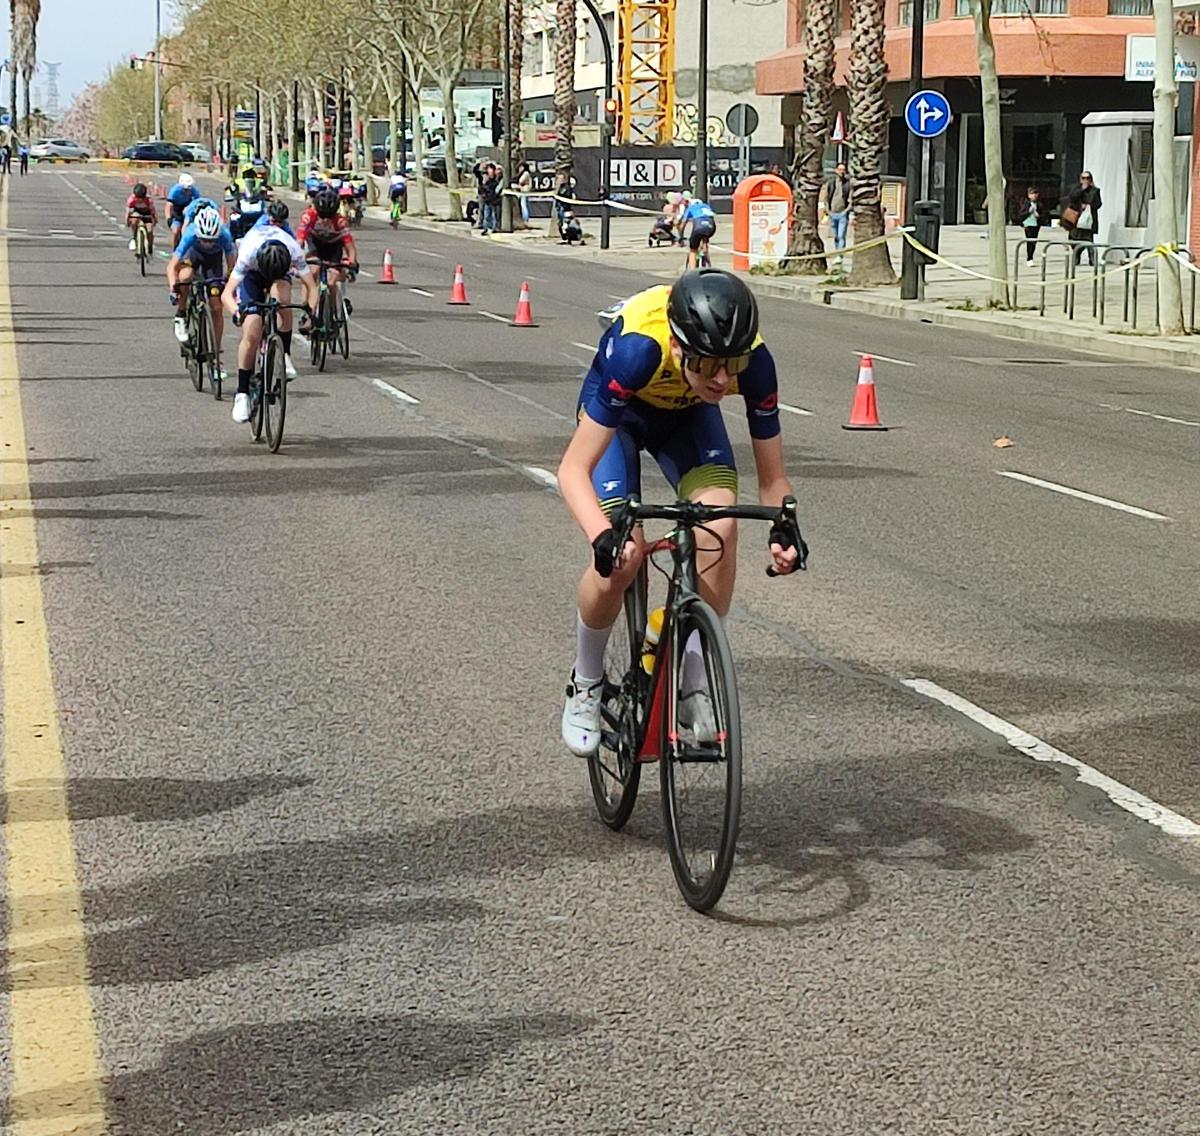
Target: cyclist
(268, 259)
(397, 194)
(655, 384)
(277, 213)
(249, 205)
(703, 221)
(314, 180)
(324, 234)
(139, 210)
(180, 196)
(205, 251)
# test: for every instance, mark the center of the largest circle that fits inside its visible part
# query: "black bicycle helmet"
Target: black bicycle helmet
(139, 190)
(278, 211)
(325, 202)
(712, 313)
(273, 261)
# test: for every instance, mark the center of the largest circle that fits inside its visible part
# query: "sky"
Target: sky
(87, 36)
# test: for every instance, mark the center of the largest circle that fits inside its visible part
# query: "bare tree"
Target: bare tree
(989, 85)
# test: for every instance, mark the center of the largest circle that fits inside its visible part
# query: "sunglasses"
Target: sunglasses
(708, 366)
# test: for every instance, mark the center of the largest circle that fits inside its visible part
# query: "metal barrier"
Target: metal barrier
(1128, 262)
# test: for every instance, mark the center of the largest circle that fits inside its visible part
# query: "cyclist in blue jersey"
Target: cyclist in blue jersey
(179, 197)
(703, 221)
(276, 213)
(205, 252)
(655, 384)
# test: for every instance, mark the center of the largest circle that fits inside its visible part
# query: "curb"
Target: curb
(1093, 341)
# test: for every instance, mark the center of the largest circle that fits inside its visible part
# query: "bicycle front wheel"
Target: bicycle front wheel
(343, 327)
(141, 249)
(211, 356)
(274, 394)
(321, 332)
(613, 769)
(196, 347)
(701, 765)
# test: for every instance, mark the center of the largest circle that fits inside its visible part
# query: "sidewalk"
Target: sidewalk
(953, 298)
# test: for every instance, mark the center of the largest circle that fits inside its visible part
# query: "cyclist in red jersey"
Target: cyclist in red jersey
(139, 210)
(325, 234)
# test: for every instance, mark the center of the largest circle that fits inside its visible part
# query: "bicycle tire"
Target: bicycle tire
(613, 770)
(274, 396)
(701, 889)
(141, 249)
(212, 351)
(322, 331)
(196, 345)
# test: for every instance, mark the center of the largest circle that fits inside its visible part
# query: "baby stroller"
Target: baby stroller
(662, 230)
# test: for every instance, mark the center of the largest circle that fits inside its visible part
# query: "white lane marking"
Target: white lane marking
(1121, 795)
(422, 252)
(1054, 487)
(612, 297)
(421, 292)
(62, 232)
(586, 347)
(885, 358)
(571, 358)
(368, 275)
(542, 475)
(493, 316)
(1147, 414)
(395, 392)
(795, 409)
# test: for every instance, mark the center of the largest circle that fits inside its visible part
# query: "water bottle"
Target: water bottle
(654, 623)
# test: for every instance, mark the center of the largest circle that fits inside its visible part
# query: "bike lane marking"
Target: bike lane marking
(55, 1061)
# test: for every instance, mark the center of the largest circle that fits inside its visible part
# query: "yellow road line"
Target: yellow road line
(56, 1078)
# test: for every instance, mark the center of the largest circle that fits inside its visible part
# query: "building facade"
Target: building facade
(1059, 61)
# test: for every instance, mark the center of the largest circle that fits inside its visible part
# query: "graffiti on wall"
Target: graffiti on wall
(684, 127)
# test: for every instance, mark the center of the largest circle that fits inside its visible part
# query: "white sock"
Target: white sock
(589, 652)
(695, 677)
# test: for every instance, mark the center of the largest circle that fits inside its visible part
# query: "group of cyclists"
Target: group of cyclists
(253, 254)
(681, 212)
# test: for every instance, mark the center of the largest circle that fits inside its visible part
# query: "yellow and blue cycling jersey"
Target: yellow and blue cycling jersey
(635, 387)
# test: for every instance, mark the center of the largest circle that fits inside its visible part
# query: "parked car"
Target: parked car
(434, 164)
(58, 150)
(165, 153)
(198, 152)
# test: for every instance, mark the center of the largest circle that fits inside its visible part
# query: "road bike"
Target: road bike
(202, 351)
(397, 212)
(331, 327)
(651, 711)
(141, 246)
(268, 383)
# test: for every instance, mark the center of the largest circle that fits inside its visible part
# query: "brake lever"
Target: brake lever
(789, 522)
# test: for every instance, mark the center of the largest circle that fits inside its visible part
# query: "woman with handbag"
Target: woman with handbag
(1081, 216)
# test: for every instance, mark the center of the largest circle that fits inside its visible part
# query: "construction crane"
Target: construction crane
(646, 72)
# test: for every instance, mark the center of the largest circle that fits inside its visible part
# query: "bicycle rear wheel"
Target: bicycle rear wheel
(613, 769)
(274, 395)
(701, 765)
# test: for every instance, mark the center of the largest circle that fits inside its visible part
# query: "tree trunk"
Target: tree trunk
(516, 48)
(993, 161)
(355, 130)
(820, 18)
(564, 89)
(446, 86)
(306, 114)
(869, 123)
(27, 79)
(1166, 226)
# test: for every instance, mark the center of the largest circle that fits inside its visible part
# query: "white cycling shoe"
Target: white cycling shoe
(241, 407)
(181, 332)
(696, 716)
(289, 370)
(581, 718)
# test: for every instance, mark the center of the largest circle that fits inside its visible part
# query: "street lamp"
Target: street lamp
(910, 269)
(158, 70)
(506, 201)
(607, 129)
(702, 108)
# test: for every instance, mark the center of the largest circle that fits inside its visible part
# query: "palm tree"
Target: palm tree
(564, 89)
(820, 28)
(516, 51)
(25, 15)
(869, 121)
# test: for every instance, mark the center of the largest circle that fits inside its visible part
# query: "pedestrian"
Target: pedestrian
(835, 195)
(6, 158)
(24, 153)
(479, 172)
(1082, 216)
(1033, 217)
(525, 185)
(489, 199)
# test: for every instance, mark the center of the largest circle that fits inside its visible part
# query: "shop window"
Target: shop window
(932, 11)
(1130, 7)
(1019, 7)
(1139, 184)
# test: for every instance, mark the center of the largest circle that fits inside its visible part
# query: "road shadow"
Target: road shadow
(253, 1077)
(143, 799)
(267, 903)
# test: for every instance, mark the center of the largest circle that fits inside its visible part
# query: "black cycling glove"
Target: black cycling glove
(605, 553)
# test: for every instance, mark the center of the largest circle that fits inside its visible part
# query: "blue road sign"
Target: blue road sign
(927, 113)
(5, 119)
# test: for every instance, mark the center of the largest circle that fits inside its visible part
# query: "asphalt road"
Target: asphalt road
(337, 873)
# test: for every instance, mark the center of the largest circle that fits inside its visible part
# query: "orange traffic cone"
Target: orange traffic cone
(386, 275)
(524, 316)
(864, 415)
(458, 294)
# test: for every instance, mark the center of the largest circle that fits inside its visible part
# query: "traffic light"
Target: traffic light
(135, 64)
(497, 118)
(611, 109)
